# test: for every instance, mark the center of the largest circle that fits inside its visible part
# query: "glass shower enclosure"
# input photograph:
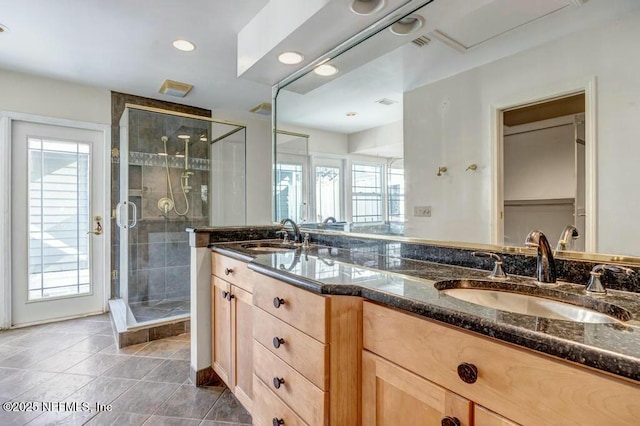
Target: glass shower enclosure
(176, 171)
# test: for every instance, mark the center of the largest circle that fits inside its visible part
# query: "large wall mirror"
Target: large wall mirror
(476, 122)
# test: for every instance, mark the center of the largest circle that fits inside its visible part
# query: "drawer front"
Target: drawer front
(268, 408)
(232, 270)
(518, 384)
(302, 396)
(302, 309)
(305, 354)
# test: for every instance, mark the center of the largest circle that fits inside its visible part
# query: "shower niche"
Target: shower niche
(176, 171)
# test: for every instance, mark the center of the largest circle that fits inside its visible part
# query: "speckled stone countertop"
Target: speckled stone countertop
(414, 286)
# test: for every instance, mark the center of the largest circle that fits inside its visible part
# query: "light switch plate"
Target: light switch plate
(422, 211)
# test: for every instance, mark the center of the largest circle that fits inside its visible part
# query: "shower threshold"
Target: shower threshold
(129, 331)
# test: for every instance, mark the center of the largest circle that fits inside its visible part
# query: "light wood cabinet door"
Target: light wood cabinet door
(484, 417)
(393, 396)
(221, 325)
(242, 338)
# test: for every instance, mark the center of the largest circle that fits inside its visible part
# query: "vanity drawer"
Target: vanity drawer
(307, 400)
(517, 383)
(305, 354)
(268, 408)
(302, 309)
(232, 270)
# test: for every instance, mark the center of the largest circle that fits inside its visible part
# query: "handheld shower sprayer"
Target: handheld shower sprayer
(167, 204)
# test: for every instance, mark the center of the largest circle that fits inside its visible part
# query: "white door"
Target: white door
(57, 188)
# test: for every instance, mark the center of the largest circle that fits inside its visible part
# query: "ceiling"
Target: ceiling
(125, 46)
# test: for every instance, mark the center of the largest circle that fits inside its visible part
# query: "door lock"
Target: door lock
(98, 230)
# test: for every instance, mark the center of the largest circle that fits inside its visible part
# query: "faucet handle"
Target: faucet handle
(595, 286)
(497, 273)
(305, 243)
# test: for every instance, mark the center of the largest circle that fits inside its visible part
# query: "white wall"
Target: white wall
(320, 141)
(384, 140)
(448, 123)
(54, 98)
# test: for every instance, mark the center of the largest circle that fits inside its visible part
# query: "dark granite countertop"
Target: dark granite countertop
(411, 285)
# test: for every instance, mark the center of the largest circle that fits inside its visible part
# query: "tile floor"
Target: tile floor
(76, 362)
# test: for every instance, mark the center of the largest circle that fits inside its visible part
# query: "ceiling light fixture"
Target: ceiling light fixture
(407, 25)
(3, 29)
(184, 45)
(325, 70)
(290, 58)
(366, 7)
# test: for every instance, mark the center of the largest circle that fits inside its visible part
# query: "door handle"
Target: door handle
(133, 223)
(98, 230)
(119, 215)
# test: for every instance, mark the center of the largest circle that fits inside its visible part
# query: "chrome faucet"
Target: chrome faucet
(497, 273)
(595, 287)
(296, 230)
(546, 266)
(569, 234)
(329, 219)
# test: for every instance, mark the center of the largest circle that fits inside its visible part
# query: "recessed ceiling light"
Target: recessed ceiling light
(407, 25)
(325, 70)
(351, 114)
(184, 45)
(3, 29)
(366, 7)
(290, 58)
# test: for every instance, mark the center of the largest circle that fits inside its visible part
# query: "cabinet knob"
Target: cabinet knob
(224, 294)
(277, 421)
(277, 382)
(230, 296)
(450, 421)
(228, 271)
(468, 372)
(277, 341)
(277, 302)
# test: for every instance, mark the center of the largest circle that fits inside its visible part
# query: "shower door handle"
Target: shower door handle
(133, 223)
(118, 215)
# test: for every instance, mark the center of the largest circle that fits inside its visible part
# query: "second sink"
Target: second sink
(481, 293)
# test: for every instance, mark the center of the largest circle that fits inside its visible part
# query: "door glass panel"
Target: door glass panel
(59, 218)
(327, 192)
(289, 197)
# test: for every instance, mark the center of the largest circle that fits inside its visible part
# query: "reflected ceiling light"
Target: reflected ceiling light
(407, 25)
(290, 58)
(366, 7)
(184, 137)
(184, 45)
(325, 70)
(3, 29)
(351, 114)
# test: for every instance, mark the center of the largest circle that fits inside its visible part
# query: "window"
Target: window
(58, 219)
(289, 196)
(327, 181)
(366, 192)
(395, 194)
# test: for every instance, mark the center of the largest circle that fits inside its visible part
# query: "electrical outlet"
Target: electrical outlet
(422, 211)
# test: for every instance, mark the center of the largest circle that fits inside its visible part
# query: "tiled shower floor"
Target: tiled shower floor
(77, 361)
(158, 309)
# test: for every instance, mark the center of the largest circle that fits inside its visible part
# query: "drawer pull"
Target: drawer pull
(277, 421)
(277, 302)
(468, 372)
(277, 341)
(228, 271)
(450, 421)
(277, 382)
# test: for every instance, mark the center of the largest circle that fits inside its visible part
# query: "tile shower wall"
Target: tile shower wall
(118, 103)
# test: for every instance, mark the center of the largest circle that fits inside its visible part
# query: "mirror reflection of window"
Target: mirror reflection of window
(366, 192)
(395, 191)
(289, 191)
(328, 182)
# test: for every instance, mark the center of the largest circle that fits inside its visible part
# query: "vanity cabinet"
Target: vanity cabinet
(306, 356)
(232, 325)
(505, 384)
(392, 395)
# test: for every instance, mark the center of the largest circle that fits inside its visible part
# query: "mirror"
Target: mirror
(430, 95)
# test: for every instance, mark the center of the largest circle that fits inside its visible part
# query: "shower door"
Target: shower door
(164, 186)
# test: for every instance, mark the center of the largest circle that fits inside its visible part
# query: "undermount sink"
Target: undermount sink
(508, 299)
(269, 247)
